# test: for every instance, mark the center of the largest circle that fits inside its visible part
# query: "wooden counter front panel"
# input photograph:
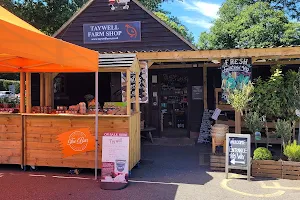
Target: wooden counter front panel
(43, 149)
(10, 139)
(134, 140)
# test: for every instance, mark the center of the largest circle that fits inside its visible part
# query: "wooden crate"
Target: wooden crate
(267, 168)
(11, 139)
(291, 170)
(41, 147)
(217, 162)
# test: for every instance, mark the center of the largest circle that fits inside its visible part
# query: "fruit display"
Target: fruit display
(114, 108)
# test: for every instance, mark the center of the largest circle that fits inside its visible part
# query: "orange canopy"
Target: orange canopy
(23, 48)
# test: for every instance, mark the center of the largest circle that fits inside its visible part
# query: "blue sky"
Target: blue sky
(197, 15)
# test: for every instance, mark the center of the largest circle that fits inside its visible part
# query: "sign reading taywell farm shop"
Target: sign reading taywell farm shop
(109, 32)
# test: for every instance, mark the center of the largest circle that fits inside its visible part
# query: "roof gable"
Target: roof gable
(156, 35)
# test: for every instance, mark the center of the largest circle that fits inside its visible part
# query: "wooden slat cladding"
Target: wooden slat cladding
(43, 149)
(10, 139)
(155, 36)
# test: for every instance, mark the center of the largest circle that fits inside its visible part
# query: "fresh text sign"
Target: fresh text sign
(110, 32)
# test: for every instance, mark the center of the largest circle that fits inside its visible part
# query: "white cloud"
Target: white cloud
(197, 22)
(204, 8)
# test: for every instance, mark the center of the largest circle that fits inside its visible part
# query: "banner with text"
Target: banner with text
(236, 72)
(115, 158)
(143, 89)
(112, 32)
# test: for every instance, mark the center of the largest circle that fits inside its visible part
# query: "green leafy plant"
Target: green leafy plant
(284, 130)
(254, 122)
(240, 99)
(292, 151)
(262, 153)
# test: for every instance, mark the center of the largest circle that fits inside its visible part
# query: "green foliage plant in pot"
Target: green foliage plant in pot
(284, 130)
(254, 123)
(292, 151)
(262, 153)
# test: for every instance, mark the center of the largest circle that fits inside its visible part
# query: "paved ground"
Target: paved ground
(166, 173)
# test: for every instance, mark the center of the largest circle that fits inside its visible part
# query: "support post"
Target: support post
(128, 95)
(48, 101)
(28, 92)
(22, 92)
(96, 124)
(205, 85)
(137, 93)
(42, 89)
(238, 122)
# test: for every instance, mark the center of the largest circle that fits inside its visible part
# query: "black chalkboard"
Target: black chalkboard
(238, 150)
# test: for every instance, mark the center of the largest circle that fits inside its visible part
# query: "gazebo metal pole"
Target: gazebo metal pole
(96, 124)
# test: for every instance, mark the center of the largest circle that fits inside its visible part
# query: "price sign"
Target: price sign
(238, 151)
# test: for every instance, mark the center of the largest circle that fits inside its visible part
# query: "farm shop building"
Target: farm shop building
(181, 81)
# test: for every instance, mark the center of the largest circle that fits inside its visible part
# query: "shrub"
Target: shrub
(262, 153)
(284, 130)
(292, 151)
(4, 85)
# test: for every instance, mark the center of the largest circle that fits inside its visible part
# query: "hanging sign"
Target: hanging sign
(109, 32)
(235, 73)
(238, 151)
(115, 161)
(143, 81)
(76, 141)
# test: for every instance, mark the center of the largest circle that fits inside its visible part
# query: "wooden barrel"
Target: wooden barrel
(218, 132)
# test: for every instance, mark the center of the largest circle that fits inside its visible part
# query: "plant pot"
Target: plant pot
(218, 132)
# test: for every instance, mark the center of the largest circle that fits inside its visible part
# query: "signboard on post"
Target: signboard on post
(115, 161)
(197, 92)
(112, 32)
(235, 73)
(238, 150)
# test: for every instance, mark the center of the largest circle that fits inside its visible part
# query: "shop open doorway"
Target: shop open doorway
(174, 104)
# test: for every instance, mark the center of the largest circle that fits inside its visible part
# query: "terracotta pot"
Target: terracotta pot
(218, 132)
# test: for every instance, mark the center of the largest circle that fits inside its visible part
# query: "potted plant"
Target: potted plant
(254, 123)
(284, 130)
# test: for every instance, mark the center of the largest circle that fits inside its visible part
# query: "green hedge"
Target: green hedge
(4, 85)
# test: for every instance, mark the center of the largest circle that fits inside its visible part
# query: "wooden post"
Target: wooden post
(47, 90)
(42, 89)
(137, 93)
(205, 86)
(128, 95)
(28, 92)
(238, 122)
(22, 92)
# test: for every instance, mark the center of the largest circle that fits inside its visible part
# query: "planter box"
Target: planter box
(291, 170)
(217, 163)
(267, 168)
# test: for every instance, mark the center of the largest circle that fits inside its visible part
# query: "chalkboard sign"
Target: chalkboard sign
(205, 126)
(235, 73)
(238, 151)
(197, 92)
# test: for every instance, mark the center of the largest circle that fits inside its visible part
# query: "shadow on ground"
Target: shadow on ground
(171, 164)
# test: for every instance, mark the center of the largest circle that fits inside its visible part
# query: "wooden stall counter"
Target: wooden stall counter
(11, 138)
(42, 146)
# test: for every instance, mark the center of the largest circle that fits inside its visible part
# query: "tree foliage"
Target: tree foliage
(175, 24)
(250, 24)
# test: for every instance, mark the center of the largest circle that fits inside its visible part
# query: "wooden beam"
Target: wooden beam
(128, 90)
(176, 66)
(22, 92)
(205, 86)
(42, 89)
(113, 69)
(280, 62)
(28, 92)
(285, 52)
(137, 93)
(47, 90)
(150, 63)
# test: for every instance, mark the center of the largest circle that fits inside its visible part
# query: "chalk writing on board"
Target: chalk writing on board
(238, 150)
(205, 126)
